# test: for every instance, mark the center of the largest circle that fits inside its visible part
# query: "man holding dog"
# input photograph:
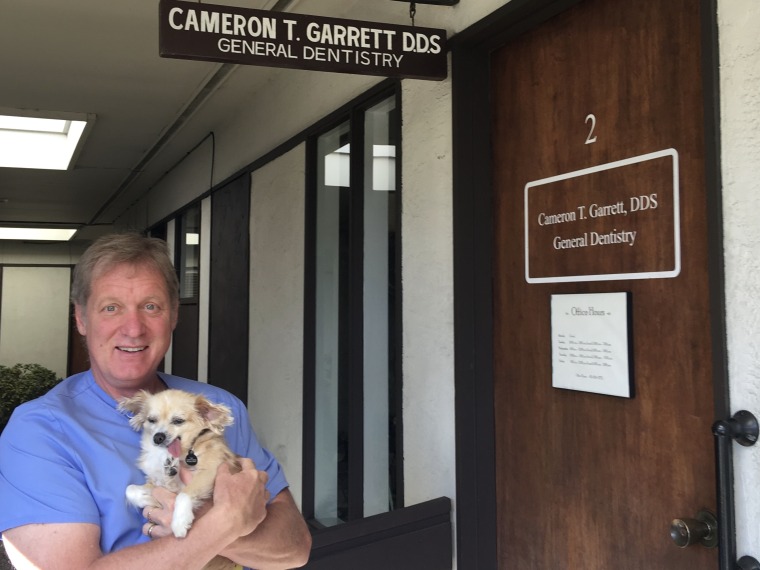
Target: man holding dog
(66, 458)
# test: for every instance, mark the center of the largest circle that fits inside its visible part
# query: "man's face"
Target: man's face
(128, 322)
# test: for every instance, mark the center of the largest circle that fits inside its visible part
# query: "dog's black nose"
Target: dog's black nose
(159, 438)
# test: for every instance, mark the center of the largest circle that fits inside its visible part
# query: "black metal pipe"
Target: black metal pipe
(742, 428)
(724, 472)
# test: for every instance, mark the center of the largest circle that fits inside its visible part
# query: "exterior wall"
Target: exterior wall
(428, 297)
(34, 321)
(275, 364)
(30, 332)
(14, 253)
(739, 21)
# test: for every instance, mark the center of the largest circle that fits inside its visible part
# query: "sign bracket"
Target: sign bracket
(434, 2)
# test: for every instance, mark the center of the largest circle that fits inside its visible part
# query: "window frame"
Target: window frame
(354, 304)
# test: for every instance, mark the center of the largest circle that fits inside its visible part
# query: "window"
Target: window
(188, 252)
(185, 341)
(352, 365)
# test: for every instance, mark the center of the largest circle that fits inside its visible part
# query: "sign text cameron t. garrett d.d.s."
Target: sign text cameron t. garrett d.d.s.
(190, 30)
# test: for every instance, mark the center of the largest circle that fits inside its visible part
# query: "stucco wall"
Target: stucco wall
(739, 23)
(427, 275)
(275, 358)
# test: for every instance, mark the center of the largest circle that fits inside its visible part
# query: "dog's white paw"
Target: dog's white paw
(183, 515)
(140, 495)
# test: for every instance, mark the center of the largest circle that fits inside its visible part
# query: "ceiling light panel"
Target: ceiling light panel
(37, 234)
(49, 141)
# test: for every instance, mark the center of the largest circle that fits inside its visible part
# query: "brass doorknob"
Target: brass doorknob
(700, 530)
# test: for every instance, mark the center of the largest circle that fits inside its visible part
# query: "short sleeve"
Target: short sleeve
(40, 480)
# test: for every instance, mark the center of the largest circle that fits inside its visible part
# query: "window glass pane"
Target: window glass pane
(189, 253)
(331, 435)
(379, 306)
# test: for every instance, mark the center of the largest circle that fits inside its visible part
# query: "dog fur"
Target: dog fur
(175, 423)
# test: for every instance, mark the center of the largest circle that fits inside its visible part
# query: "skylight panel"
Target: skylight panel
(50, 141)
(37, 234)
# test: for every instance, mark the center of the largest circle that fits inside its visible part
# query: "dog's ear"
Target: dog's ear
(218, 416)
(136, 405)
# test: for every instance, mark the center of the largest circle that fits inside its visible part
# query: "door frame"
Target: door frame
(473, 231)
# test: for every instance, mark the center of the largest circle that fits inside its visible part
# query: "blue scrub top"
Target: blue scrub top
(68, 457)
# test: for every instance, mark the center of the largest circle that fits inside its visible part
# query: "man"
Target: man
(66, 458)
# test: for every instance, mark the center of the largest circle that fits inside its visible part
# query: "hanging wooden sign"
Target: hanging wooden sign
(208, 32)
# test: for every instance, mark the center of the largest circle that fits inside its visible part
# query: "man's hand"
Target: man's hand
(242, 496)
(244, 516)
(159, 518)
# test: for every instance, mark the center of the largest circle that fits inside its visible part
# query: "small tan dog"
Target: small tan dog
(179, 429)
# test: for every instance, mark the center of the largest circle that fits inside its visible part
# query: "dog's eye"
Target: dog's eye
(151, 420)
(178, 421)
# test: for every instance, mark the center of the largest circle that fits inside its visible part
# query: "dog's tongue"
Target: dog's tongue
(175, 448)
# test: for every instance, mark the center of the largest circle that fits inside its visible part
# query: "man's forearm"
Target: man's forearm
(282, 540)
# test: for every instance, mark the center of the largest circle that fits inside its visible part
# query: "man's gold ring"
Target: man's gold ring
(150, 530)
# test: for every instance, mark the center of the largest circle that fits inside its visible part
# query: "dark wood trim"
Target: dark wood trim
(229, 276)
(398, 316)
(355, 319)
(406, 539)
(711, 87)
(476, 516)
(713, 182)
(309, 332)
(475, 470)
(185, 341)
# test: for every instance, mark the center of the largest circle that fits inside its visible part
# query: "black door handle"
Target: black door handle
(742, 428)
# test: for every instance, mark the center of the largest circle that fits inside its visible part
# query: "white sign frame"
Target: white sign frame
(591, 343)
(674, 272)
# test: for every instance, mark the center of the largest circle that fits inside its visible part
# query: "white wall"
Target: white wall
(739, 23)
(428, 295)
(34, 321)
(17, 253)
(275, 358)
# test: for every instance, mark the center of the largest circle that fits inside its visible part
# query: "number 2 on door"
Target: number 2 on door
(591, 138)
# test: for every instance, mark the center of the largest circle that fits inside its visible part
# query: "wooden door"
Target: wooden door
(584, 480)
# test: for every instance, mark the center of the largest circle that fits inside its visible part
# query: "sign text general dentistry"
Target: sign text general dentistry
(190, 30)
(614, 221)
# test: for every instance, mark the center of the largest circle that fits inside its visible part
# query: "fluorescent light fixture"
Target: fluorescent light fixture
(338, 167)
(43, 140)
(192, 238)
(37, 234)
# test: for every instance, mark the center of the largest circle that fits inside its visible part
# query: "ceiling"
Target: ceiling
(101, 57)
